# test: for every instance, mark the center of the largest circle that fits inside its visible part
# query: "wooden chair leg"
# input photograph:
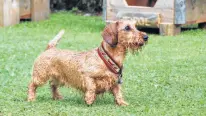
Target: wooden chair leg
(169, 29)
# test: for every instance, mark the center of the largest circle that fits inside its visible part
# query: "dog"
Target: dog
(92, 72)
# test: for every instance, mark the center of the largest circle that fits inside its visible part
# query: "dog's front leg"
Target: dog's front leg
(90, 94)
(116, 90)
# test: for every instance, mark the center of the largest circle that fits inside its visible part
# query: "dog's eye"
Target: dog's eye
(127, 28)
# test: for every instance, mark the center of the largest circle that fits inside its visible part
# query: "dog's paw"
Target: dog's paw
(89, 103)
(31, 99)
(59, 97)
(122, 103)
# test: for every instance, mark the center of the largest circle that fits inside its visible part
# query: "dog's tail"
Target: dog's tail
(55, 40)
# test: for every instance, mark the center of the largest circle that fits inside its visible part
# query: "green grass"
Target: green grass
(168, 77)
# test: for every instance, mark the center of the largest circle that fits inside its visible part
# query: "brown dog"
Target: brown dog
(93, 72)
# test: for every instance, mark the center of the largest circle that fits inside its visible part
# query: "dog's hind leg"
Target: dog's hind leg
(38, 79)
(54, 89)
(32, 91)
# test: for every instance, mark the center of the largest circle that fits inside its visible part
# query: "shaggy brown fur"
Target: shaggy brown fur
(85, 70)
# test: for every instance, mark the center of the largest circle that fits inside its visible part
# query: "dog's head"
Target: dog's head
(124, 33)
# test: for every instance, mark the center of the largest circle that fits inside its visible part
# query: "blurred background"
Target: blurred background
(91, 6)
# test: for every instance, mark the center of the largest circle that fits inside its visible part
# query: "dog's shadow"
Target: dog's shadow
(78, 100)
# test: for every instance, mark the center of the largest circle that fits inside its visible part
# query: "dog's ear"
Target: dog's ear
(110, 34)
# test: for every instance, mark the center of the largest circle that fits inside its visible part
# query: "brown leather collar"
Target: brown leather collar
(110, 63)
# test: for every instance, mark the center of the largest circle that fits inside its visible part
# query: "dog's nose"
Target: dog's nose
(145, 37)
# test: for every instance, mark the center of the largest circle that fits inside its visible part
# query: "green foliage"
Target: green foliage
(167, 77)
(75, 9)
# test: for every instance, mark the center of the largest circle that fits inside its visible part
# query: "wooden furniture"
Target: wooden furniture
(167, 15)
(11, 11)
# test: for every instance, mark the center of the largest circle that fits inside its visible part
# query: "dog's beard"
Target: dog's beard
(133, 47)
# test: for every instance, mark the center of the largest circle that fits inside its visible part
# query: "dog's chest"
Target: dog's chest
(95, 68)
(105, 82)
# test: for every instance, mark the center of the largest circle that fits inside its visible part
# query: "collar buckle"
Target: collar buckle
(120, 79)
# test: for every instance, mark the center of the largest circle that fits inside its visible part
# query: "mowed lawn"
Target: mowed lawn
(167, 77)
